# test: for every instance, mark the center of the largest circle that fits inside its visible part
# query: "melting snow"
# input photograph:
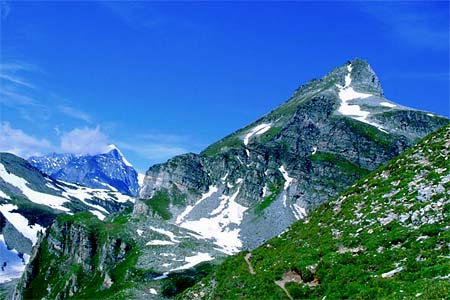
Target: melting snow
(139, 232)
(167, 233)
(194, 260)
(387, 104)
(347, 93)
(260, 129)
(314, 151)
(286, 177)
(299, 212)
(4, 196)
(36, 197)
(227, 215)
(159, 243)
(212, 190)
(21, 223)
(98, 214)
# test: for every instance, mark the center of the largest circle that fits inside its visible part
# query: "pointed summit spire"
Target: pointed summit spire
(364, 78)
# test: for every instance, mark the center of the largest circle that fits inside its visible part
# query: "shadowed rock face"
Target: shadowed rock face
(321, 146)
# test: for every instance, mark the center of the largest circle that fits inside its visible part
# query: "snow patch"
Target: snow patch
(222, 225)
(388, 104)
(139, 232)
(159, 243)
(4, 196)
(287, 179)
(347, 93)
(189, 208)
(21, 223)
(36, 197)
(299, 212)
(260, 129)
(98, 214)
(167, 233)
(194, 260)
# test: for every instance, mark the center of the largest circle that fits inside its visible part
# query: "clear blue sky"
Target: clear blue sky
(159, 79)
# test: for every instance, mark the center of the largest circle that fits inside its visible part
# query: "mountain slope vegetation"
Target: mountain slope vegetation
(386, 237)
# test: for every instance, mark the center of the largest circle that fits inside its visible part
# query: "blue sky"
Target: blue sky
(160, 79)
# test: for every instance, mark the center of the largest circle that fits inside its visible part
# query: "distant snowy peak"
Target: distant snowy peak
(107, 170)
(114, 150)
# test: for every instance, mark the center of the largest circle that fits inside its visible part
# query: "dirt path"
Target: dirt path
(250, 267)
(290, 276)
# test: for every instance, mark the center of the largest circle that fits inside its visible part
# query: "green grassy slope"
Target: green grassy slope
(387, 237)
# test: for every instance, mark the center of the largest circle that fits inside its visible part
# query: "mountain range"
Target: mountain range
(240, 192)
(109, 170)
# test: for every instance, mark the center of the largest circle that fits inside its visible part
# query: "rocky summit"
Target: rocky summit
(109, 170)
(195, 209)
(254, 183)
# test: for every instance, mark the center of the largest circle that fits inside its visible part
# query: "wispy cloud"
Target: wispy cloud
(16, 80)
(84, 141)
(75, 113)
(21, 144)
(136, 14)
(420, 24)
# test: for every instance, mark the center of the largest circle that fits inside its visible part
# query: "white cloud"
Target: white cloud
(21, 144)
(84, 141)
(75, 113)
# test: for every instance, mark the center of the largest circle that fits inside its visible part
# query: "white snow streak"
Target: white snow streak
(347, 93)
(387, 104)
(98, 214)
(159, 243)
(21, 223)
(36, 197)
(167, 233)
(228, 214)
(260, 129)
(194, 260)
(299, 212)
(287, 179)
(4, 196)
(139, 232)
(212, 190)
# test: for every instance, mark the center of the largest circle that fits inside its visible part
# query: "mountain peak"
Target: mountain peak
(364, 78)
(111, 148)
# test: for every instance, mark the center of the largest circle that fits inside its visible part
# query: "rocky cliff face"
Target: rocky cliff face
(386, 237)
(109, 170)
(251, 185)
